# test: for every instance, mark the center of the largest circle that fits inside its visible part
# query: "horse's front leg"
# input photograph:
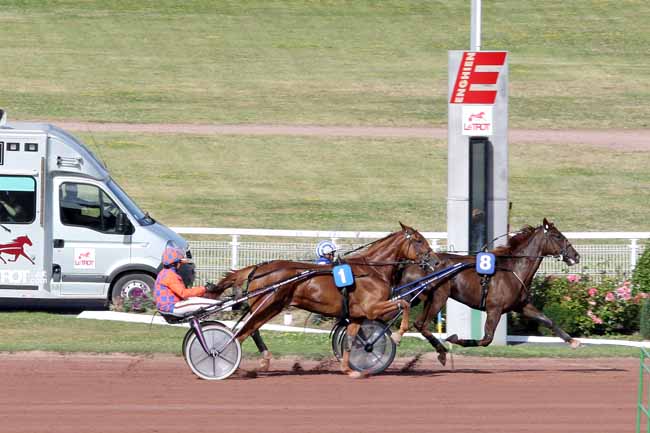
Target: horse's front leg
(491, 322)
(533, 313)
(432, 306)
(382, 308)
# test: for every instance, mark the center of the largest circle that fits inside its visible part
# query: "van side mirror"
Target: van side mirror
(123, 225)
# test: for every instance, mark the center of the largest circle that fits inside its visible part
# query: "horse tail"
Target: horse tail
(235, 278)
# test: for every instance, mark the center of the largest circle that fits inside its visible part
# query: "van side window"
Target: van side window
(17, 199)
(87, 206)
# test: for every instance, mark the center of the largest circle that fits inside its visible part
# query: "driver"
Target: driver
(325, 252)
(172, 296)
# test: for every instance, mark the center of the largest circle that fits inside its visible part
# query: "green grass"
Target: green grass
(582, 63)
(57, 333)
(363, 184)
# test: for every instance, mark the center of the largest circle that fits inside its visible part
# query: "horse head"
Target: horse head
(557, 245)
(414, 246)
(23, 240)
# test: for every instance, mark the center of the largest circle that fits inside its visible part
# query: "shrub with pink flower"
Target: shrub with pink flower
(582, 307)
(573, 278)
(597, 320)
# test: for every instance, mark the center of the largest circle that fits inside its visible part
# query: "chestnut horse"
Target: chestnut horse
(373, 268)
(508, 288)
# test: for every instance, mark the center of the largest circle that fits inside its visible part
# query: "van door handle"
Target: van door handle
(59, 243)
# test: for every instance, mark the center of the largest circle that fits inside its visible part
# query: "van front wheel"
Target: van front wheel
(133, 292)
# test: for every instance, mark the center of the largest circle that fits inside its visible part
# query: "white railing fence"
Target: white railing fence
(217, 250)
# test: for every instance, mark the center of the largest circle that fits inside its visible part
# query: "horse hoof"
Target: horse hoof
(264, 365)
(453, 339)
(442, 357)
(574, 343)
(358, 374)
(396, 338)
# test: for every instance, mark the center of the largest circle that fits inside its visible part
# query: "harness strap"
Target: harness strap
(485, 283)
(345, 308)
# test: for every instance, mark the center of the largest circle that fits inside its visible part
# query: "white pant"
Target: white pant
(192, 304)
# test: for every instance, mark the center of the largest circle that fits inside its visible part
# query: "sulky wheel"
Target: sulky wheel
(190, 332)
(368, 357)
(338, 339)
(224, 356)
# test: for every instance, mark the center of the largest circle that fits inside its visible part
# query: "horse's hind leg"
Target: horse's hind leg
(533, 313)
(265, 363)
(255, 321)
(491, 322)
(352, 331)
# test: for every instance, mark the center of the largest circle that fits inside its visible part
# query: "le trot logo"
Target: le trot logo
(15, 249)
(477, 120)
(84, 258)
(477, 77)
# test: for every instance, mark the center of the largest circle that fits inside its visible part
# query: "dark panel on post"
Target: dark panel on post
(479, 182)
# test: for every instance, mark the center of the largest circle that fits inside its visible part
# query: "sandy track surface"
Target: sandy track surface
(623, 139)
(45, 392)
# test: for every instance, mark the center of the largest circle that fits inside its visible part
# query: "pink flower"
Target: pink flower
(593, 292)
(597, 320)
(592, 303)
(573, 278)
(621, 289)
(609, 297)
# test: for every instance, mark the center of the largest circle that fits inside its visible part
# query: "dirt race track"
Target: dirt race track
(44, 392)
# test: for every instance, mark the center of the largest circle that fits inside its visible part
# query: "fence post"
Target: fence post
(234, 252)
(634, 249)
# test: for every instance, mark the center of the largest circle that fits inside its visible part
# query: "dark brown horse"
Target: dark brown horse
(508, 288)
(369, 298)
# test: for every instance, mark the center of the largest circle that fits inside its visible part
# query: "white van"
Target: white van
(67, 230)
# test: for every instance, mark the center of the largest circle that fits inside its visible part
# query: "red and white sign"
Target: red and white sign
(477, 77)
(84, 258)
(477, 120)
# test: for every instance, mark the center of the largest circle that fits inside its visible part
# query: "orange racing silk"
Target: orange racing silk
(170, 289)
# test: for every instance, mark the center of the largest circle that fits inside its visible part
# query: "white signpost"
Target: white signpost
(477, 195)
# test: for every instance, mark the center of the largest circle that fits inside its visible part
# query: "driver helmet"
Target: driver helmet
(324, 248)
(173, 255)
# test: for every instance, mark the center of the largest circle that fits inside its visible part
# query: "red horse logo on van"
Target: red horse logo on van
(16, 248)
(84, 255)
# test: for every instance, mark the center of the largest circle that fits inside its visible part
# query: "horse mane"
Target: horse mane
(521, 237)
(363, 249)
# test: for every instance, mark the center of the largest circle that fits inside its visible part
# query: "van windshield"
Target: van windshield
(142, 217)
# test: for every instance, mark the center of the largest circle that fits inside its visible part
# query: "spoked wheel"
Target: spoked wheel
(338, 339)
(224, 357)
(369, 357)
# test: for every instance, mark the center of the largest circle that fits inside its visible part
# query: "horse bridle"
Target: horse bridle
(422, 259)
(564, 248)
